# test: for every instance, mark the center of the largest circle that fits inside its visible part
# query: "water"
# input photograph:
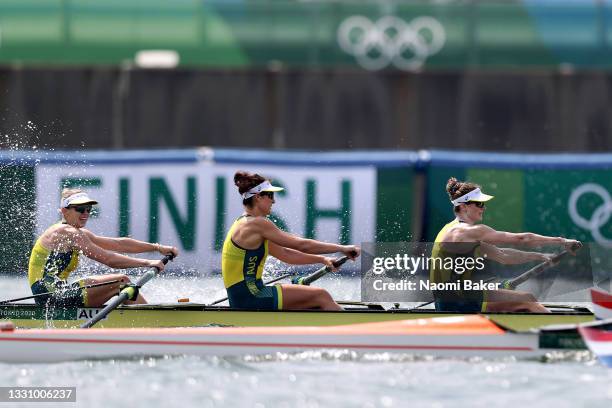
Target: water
(311, 379)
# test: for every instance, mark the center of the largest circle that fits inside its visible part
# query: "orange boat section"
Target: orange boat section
(471, 325)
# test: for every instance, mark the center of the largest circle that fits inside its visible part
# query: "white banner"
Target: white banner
(193, 205)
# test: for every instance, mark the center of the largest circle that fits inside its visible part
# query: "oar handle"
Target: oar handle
(321, 272)
(340, 261)
(167, 258)
(536, 270)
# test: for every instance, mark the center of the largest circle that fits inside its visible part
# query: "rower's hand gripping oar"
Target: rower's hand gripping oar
(125, 294)
(512, 284)
(307, 280)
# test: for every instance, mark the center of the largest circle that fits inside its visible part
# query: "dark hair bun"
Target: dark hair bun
(246, 181)
(242, 179)
(452, 185)
(456, 188)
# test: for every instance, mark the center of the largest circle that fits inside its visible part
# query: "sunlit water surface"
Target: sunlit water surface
(310, 379)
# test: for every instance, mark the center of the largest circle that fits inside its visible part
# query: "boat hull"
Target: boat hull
(194, 315)
(462, 336)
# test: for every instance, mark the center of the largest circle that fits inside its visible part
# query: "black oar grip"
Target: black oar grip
(311, 278)
(322, 272)
(167, 258)
(340, 261)
(576, 246)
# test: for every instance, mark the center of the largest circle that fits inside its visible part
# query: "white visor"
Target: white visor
(77, 199)
(260, 188)
(474, 195)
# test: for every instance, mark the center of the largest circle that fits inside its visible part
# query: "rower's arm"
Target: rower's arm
(270, 232)
(294, 257)
(509, 256)
(129, 245)
(485, 233)
(82, 242)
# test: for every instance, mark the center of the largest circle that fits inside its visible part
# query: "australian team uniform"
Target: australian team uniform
(468, 301)
(48, 271)
(242, 270)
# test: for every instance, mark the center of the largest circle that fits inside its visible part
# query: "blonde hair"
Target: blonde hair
(67, 192)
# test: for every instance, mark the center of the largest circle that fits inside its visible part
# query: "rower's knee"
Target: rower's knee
(529, 298)
(324, 298)
(533, 307)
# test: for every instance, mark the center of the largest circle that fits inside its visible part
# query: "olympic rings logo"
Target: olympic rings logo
(391, 40)
(600, 216)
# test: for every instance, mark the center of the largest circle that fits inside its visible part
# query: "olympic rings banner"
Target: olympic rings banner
(371, 34)
(391, 41)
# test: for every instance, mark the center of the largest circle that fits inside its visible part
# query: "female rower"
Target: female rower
(56, 254)
(465, 237)
(249, 241)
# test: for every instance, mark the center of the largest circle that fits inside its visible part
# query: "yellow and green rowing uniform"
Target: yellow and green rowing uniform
(468, 301)
(242, 270)
(48, 271)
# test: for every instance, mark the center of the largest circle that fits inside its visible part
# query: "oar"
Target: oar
(307, 280)
(93, 285)
(125, 294)
(536, 270)
(369, 305)
(423, 304)
(287, 275)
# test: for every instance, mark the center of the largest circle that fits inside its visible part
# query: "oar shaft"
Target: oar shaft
(321, 272)
(93, 285)
(124, 295)
(536, 270)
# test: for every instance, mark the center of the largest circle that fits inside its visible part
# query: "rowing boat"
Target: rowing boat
(192, 315)
(471, 335)
(602, 303)
(598, 335)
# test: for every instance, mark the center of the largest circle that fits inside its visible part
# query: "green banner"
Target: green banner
(572, 203)
(549, 202)
(17, 216)
(370, 34)
(395, 200)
